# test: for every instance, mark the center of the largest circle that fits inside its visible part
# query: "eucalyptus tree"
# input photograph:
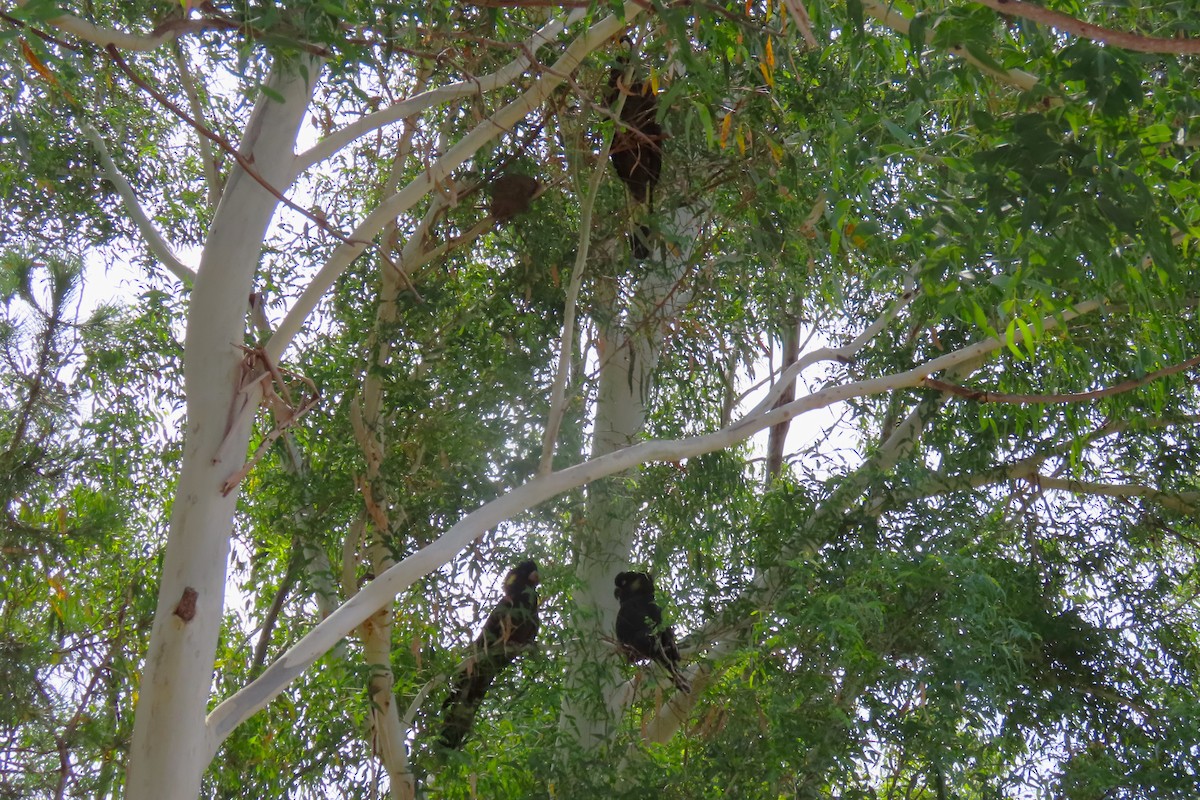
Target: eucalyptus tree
(968, 228)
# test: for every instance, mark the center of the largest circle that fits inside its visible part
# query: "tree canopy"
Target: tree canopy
(286, 390)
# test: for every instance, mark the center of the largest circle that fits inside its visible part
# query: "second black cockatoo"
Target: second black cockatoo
(636, 147)
(640, 629)
(508, 632)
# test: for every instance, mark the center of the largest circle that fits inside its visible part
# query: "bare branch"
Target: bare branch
(271, 618)
(504, 76)
(778, 435)
(918, 375)
(242, 161)
(722, 630)
(104, 37)
(211, 176)
(890, 17)
(234, 710)
(387, 730)
(1096, 33)
(170, 29)
(437, 172)
(558, 392)
(981, 396)
(379, 592)
(800, 16)
(1183, 502)
(844, 354)
(154, 240)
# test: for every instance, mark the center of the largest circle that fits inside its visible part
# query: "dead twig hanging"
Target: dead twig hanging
(257, 366)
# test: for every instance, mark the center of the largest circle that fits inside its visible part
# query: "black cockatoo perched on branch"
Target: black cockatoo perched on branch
(508, 632)
(640, 629)
(636, 148)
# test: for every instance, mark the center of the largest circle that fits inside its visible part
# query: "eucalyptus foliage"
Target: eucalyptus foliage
(980, 585)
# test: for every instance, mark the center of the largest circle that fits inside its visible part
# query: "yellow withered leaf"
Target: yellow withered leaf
(36, 63)
(765, 70)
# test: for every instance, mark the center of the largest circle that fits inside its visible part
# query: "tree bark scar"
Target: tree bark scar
(186, 609)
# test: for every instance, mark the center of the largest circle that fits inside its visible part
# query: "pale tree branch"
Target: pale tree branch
(212, 177)
(413, 258)
(629, 347)
(722, 634)
(558, 392)
(917, 375)
(657, 298)
(103, 37)
(170, 29)
(1182, 502)
(980, 396)
(800, 16)
(154, 240)
(236, 154)
(386, 729)
(887, 14)
(438, 171)
(379, 592)
(419, 102)
(844, 354)
(1096, 33)
(433, 254)
(393, 278)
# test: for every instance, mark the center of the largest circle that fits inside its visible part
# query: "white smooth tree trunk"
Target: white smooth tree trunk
(171, 744)
(603, 541)
(630, 348)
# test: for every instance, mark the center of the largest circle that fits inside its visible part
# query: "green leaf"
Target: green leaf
(854, 12)
(917, 29)
(271, 93)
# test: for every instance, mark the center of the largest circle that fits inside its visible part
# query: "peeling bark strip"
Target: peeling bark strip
(186, 609)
